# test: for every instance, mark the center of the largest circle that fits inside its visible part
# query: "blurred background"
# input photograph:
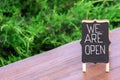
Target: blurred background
(29, 27)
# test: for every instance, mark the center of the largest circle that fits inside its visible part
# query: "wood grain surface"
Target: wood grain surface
(64, 63)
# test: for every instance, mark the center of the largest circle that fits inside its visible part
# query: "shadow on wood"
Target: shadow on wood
(64, 63)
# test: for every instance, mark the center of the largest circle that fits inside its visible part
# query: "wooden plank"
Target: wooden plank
(64, 63)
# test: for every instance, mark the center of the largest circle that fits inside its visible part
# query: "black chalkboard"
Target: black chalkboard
(95, 41)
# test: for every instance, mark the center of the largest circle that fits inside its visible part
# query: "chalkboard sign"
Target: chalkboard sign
(95, 41)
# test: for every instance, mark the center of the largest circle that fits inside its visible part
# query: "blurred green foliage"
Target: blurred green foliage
(29, 27)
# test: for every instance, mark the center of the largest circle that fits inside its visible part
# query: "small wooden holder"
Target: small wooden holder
(107, 67)
(108, 64)
(84, 67)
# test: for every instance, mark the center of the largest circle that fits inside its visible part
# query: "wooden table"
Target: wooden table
(64, 63)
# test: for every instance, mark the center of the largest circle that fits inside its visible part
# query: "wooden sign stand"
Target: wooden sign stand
(84, 67)
(84, 63)
(107, 67)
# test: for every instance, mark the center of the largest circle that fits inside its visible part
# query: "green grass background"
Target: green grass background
(29, 27)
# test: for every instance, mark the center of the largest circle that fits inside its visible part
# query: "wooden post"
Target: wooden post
(84, 67)
(108, 64)
(107, 67)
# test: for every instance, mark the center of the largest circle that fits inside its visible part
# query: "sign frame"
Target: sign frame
(107, 61)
